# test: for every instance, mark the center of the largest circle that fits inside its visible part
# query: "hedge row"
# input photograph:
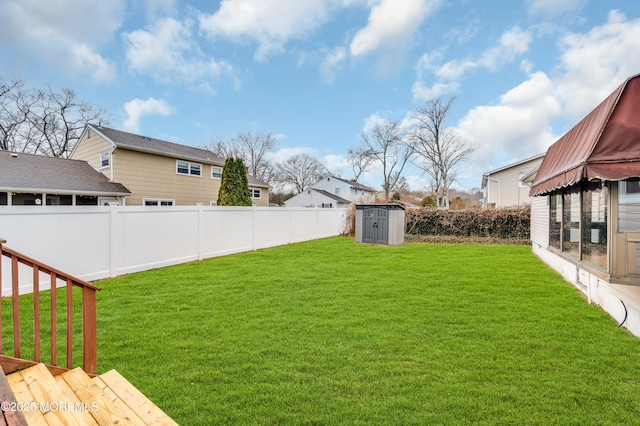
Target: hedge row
(512, 223)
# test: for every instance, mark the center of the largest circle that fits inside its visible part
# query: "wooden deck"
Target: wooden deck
(75, 398)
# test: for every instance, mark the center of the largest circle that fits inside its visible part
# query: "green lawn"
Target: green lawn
(334, 332)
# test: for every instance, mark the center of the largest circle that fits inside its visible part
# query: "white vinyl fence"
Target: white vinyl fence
(92, 243)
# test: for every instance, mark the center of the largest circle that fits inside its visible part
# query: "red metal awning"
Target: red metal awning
(604, 145)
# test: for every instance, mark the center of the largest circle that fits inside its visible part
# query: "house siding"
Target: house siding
(89, 149)
(540, 221)
(150, 176)
(504, 188)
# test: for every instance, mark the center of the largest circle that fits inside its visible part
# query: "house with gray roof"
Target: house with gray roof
(27, 179)
(332, 192)
(158, 172)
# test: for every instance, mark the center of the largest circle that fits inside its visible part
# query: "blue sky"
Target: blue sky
(317, 73)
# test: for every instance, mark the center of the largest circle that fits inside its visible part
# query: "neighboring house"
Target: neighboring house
(27, 179)
(585, 214)
(332, 192)
(158, 172)
(507, 186)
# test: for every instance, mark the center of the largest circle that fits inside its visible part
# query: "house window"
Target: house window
(86, 200)
(153, 202)
(4, 199)
(216, 172)
(189, 169)
(105, 159)
(571, 222)
(255, 192)
(578, 222)
(59, 200)
(629, 206)
(555, 220)
(594, 225)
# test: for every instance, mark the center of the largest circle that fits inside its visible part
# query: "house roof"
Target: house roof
(509, 166)
(356, 185)
(134, 142)
(603, 145)
(332, 196)
(35, 173)
(150, 145)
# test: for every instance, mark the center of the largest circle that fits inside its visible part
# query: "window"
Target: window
(629, 206)
(105, 159)
(555, 220)
(59, 200)
(255, 192)
(216, 172)
(152, 202)
(571, 222)
(190, 169)
(594, 225)
(4, 199)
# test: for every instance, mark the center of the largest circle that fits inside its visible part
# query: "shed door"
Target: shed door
(382, 226)
(368, 225)
(375, 226)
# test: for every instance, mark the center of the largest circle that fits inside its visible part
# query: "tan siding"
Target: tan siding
(263, 201)
(154, 176)
(509, 192)
(89, 149)
(540, 220)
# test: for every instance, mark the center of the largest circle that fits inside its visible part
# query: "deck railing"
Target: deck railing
(89, 344)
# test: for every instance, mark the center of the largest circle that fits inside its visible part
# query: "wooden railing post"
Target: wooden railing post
(89, 334)
(2, 241)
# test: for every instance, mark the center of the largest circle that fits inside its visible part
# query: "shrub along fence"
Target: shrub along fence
(512, 224)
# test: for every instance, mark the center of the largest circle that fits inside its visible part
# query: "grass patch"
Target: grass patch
(334, 332)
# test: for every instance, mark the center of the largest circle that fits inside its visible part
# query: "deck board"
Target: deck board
(23, 395)
(44, 388)
(135, 399)
(110, 408)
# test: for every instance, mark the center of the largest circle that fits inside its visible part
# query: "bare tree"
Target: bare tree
(360, 161)
(43, 122)
(253, 148)
(300, 171)
(16, 104)
(438, 149)
(385, 144)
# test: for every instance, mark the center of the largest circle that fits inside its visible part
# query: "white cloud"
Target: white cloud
(168, 52)
(284, 154)
(391, 24)
(512, 44)
(554, 8)
(64, 34)
(331, 63)
(269, 23)
(595, 63)
(138, 108)
(517, 128)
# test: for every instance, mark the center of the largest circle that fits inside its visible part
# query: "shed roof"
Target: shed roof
(21, 172)
(603, 145)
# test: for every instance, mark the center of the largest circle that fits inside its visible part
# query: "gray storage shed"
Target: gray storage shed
(380, 224)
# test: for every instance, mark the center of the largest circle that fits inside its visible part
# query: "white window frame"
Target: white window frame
(219, 174)
(158, 202)
(191, 167)
(256, 191)
(105, 156)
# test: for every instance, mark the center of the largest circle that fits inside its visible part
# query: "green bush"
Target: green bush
(510, 223)
(234, 186)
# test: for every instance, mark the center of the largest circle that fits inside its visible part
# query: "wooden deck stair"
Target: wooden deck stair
(75, 398)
